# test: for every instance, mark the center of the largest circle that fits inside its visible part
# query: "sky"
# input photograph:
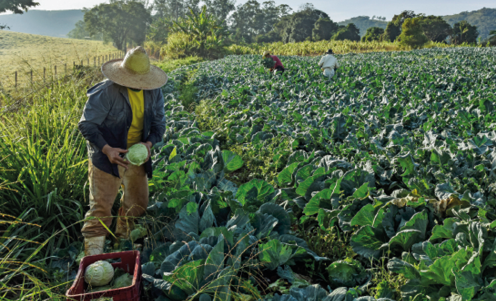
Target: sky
(337, 10)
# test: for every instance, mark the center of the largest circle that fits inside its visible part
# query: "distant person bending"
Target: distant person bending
(329, 64)
(278, 65)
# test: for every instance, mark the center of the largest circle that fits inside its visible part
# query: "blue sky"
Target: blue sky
(337, 10)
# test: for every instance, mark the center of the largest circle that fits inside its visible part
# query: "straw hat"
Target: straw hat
(266, 53)
(135, 71)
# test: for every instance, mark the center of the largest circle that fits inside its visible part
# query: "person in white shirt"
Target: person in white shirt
(329, 64)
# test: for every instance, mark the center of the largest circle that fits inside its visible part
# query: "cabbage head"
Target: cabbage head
(123, 281)
(99, 273)
(137, 154)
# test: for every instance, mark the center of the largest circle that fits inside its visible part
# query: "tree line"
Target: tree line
(417, 29)
(184, 24)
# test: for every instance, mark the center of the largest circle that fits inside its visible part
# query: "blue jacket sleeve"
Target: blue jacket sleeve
(94, 113)
(157, 129)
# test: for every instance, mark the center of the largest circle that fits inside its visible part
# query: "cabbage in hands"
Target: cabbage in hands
(137, 154)
(99, 273)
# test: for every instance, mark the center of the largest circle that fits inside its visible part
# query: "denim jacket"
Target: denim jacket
(107, 117)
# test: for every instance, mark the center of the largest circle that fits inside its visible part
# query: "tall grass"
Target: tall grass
(318, 48)
(43, 165)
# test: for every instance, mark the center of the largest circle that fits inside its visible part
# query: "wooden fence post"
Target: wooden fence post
(31, 76)
(81, 63)
(44, 74)
(55, 69)
(94, 61)
(74, 66)
(15, 85)
(65, 68)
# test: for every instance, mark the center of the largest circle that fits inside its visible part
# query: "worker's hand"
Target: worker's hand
(148, 145)
(114, 157)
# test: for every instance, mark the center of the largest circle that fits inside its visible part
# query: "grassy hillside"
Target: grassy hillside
(43, 22)
(22, 52)
(364, 22)
(484, 19)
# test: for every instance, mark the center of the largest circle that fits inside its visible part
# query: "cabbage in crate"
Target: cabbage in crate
(137, 154)
(99, 273)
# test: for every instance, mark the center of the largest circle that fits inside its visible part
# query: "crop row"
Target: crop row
(396, 151)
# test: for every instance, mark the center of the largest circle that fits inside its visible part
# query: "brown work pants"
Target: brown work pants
(104, 188)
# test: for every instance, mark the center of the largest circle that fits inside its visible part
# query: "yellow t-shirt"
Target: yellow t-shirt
(137, 101)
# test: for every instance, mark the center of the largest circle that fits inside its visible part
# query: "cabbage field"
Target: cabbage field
(379, 184)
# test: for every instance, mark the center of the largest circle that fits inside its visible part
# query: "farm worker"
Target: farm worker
(328, 63)
(124, 110)
(278, 65)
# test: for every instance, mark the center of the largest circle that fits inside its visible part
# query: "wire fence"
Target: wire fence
(29, 79)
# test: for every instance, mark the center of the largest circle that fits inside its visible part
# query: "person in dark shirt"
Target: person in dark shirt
(125, 110)
(278, 67)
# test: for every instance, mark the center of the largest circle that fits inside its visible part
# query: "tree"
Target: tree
(364, 22)
(270, 37)
(406, 14)
(393, 28)
(245, 21)
(391, 32)
(80, 32)
(463, 32)
(119, 22)
(204, 29)
(412, 34)
(15, 6)
(484, 19)
(373, 34)
(175, 9)
(220, 8)
(298, 27)
(348, 32)
(252, 19)
(159, 30)
(435, 28)
(307, 6)
(324, 29)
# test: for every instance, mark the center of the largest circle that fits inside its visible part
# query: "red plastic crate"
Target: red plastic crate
(130, 263)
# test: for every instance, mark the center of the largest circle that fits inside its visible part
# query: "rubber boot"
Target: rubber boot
(94, 245)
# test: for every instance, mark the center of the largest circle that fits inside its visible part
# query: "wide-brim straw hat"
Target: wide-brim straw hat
(266, 53)
(135, 71)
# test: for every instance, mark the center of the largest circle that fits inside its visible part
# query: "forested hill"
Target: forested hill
(364, 22)
(484, 19)
(54, 23)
